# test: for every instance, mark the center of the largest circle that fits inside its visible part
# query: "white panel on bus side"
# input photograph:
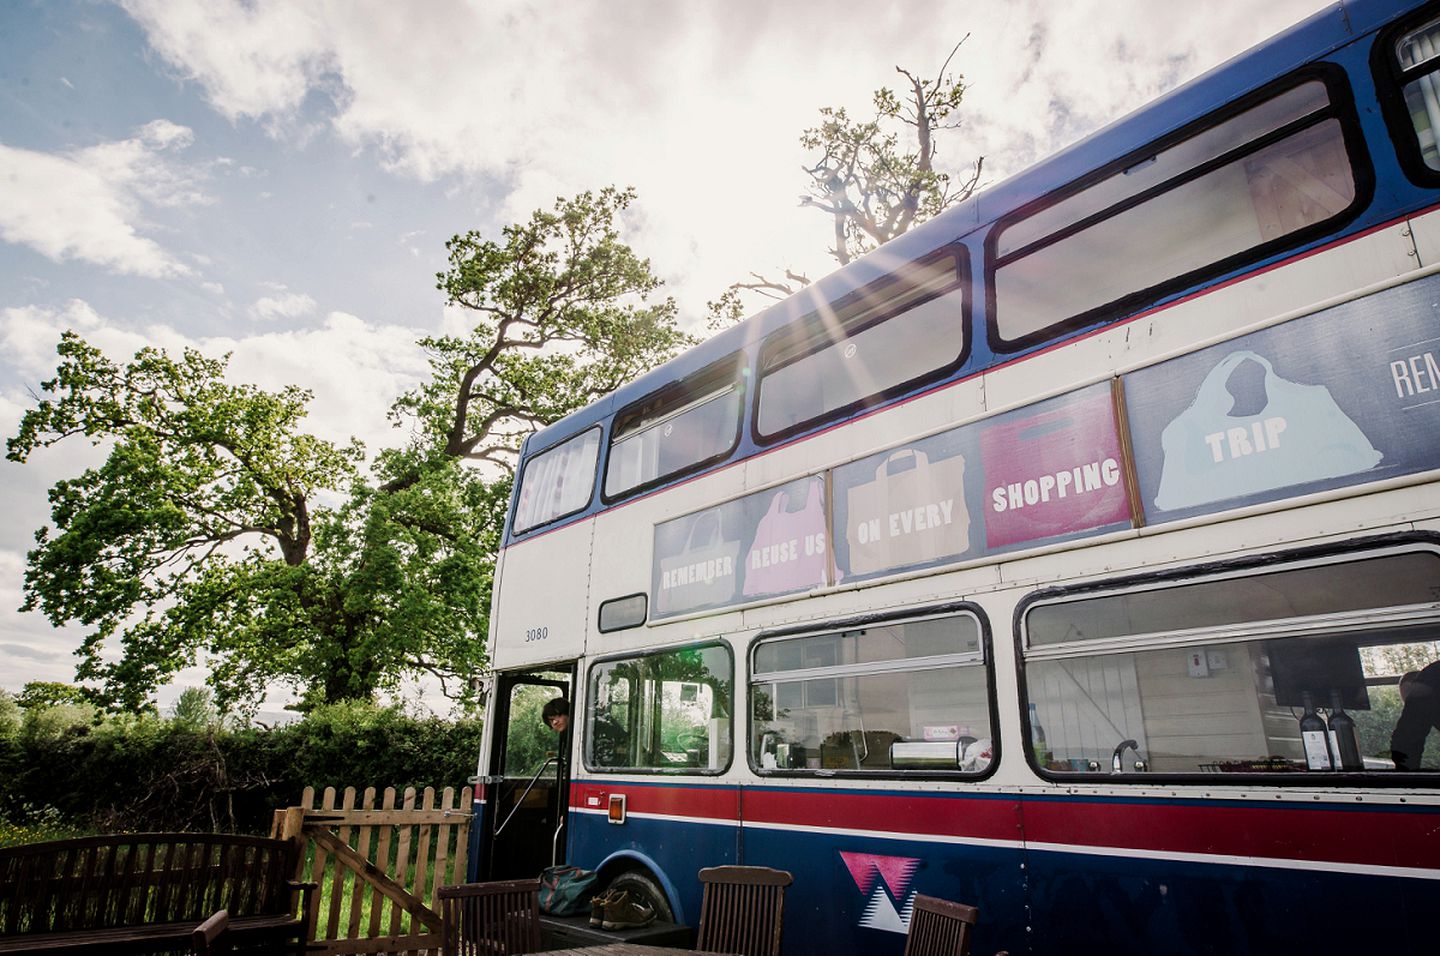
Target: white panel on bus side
(1362, 515)
(542, 605)
(1216, 314)
(1426, 233)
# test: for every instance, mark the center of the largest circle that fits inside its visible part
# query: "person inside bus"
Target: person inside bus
(1420, 691)
(556, 715)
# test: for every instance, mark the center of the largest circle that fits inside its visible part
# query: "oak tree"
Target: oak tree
(563, 312)
(212, 526)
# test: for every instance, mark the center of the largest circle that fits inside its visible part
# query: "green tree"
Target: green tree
(44, 693)
(201, 533)
(195, 709)
(875, 178)
(563, 314)
(10, 715)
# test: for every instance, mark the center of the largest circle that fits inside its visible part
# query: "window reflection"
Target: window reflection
(665, 711)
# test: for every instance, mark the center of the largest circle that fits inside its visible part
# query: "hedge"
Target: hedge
(130, 774)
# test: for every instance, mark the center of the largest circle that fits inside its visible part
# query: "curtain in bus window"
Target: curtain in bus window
(1293, 434)
(557, 482)
(1216, 675)
(1422, 95)
(701, 430)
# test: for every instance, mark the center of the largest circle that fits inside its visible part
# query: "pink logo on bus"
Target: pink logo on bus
(873, 875)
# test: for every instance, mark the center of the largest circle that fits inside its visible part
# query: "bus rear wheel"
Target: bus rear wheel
(644, 887)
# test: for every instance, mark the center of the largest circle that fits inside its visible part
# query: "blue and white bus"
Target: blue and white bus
(1061, 557)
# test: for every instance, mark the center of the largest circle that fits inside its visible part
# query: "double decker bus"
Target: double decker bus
(1061, 557)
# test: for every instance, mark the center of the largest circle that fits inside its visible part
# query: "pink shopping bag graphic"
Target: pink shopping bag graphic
(1053, 470)
(789, 550)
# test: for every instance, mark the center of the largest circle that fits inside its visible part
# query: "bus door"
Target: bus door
(529, 781)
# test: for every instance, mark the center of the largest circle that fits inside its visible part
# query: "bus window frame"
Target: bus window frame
(1390, 80)
(525, 465)
(666, 394)
(644, 616)
(1349, 550)
(584, 729)
(888, 616)
(805, 326)
(1341, 108)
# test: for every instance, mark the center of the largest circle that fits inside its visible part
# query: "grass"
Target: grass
(37, 825)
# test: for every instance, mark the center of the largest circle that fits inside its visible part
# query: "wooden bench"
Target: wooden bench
(147, 892)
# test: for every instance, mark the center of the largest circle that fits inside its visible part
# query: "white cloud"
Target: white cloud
(354, 368)
(252, 59)
(88, 204)
(28, 334)
(283, 305)
(699, 105)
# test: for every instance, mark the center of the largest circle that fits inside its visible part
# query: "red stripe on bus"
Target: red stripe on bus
(717, 803)
(986, 819)
(1376, 838)
(1392, 838)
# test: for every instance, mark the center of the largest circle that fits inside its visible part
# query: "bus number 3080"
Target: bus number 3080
(537, 634)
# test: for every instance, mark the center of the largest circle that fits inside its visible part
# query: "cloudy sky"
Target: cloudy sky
(277, 178)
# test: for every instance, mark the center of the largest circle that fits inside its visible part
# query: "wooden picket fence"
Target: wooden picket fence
(378, 865)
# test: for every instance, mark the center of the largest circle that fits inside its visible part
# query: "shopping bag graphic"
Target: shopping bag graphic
(702, 574)
(1299, 435)
(788, 553)
(912, 513)
(1053, 470)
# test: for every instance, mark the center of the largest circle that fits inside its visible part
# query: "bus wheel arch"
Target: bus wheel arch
(639, 876)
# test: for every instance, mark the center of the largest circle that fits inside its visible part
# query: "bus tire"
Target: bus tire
(640, 884)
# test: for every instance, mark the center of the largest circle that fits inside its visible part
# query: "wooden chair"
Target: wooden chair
(742, 910)
(212, 937)
(490, 919)
(940, 927)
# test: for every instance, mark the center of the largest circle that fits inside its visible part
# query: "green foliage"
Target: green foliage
(562, 316)
(43, 693)
(873, 187)
(200, 534)
(194, 528)
(195, 709)
(9, 716)
(134, 773)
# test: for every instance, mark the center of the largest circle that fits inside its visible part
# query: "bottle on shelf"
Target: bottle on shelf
(1314, 736)
(1343, 743)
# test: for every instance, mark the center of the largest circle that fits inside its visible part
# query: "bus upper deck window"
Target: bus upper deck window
(1418, 57)
(862, 349)
(1163, 217)
(557, 482)
(677, 430)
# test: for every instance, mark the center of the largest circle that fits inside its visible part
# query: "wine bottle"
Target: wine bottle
(1314, 736)
(1342, 736)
